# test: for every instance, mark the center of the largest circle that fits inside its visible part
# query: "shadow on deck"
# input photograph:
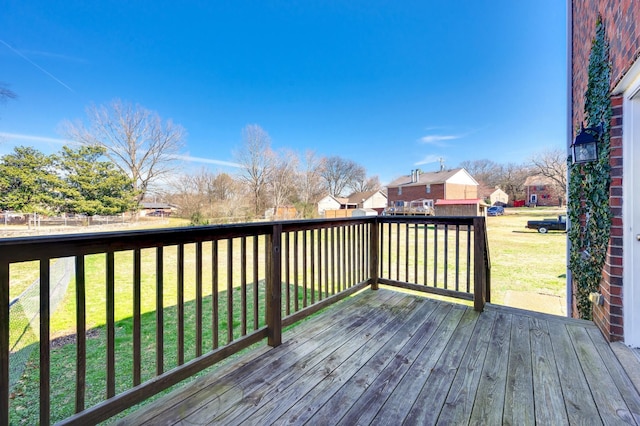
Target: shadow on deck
(386, 357)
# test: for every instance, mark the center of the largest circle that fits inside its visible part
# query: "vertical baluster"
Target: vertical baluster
(343, 242)
(81, 336)
(159, 311)
(435, 255)
(45, 351)
(313, 264)
(287, 271)
(389, 256)
(406, 252)
(137, 298)
(243, 283)
(398, 251)
(111, 331)
(457, 257)
(320, 259)
(326, 262)
(198, 299)
(333, 261)
(304, 269)
(256, 277)
(375, 228)
(296, 292)
(415, 253)
(180, 304)
(215, 295)
(425, 251)
(468, 258)
(446, 255)
(229, 290)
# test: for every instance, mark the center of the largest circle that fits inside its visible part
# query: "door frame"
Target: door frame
(631, 205)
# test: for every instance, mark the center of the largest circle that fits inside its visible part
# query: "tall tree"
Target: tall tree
(94, 186)
(310, 184)
(339, 174)
(28, 182)
(257, 160)
(484, 171)
(371, 183)
(283, 180)
(553, 165)
(134, 138)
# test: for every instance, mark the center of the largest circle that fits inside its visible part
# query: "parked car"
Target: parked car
(545, 225)
(495, 211)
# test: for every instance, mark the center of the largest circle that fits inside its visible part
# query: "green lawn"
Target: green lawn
(527, 266)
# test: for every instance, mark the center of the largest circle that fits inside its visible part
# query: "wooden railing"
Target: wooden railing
(245, 282)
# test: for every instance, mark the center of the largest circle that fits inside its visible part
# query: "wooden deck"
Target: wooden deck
(385, 357)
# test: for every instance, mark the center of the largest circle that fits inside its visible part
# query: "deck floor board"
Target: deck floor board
(385, 357)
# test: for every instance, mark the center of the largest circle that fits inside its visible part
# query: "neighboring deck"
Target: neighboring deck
(384, 357)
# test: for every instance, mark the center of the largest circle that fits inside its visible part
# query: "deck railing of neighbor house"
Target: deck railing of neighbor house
(195, 296)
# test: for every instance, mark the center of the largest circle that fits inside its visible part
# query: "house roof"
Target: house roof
(431, 178)
(157, 205)
(459, 202)
(538, 180)
(357, 197)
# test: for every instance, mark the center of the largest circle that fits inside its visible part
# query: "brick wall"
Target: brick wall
(410, 193)
(621, 18)
(608, 317)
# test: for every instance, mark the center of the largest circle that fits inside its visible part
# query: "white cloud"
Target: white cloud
(438, 139)
(428, 160)
(207, 161)
(34, 138)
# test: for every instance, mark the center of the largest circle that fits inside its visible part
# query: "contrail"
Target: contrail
(38, 66)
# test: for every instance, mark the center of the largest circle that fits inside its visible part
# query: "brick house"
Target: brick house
(432, 186)
(619, 316)
(542, 191)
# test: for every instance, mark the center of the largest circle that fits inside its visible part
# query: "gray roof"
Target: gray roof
(426, 178)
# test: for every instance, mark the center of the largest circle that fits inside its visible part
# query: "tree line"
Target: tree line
(268, 179)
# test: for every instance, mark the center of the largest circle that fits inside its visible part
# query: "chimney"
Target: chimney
(413, 176)
(417, 175)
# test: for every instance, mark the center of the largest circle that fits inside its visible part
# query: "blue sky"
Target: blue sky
(392, 85)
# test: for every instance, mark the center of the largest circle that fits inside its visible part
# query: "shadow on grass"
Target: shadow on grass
(24, 404)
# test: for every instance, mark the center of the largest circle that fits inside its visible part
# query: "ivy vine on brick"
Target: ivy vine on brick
(588, 206)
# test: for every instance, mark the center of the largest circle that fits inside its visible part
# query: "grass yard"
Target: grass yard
(528, 269)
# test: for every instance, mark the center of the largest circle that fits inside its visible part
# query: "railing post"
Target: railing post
(479, 264)
(373, 254)
(274, 287)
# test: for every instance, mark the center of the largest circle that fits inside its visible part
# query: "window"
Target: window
(399, 190)
(428, 189)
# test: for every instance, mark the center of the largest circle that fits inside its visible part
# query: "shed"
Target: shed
(473, 207)
(364, 212)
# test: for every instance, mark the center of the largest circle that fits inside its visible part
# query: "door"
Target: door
(534, 199)
(631, 214)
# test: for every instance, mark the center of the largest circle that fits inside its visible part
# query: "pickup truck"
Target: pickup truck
(544, 225)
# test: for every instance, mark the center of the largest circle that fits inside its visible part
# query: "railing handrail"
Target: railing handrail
(34, 248)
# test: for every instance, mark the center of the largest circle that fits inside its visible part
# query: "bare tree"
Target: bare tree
(256, 158)
(511, 180)
(553, 165)
(282, 182)
(310, 183)
(484, 171)
(135, 139)
(339, 174)
(371, 183)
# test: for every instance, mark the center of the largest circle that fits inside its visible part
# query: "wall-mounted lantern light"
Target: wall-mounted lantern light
(585, 147)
